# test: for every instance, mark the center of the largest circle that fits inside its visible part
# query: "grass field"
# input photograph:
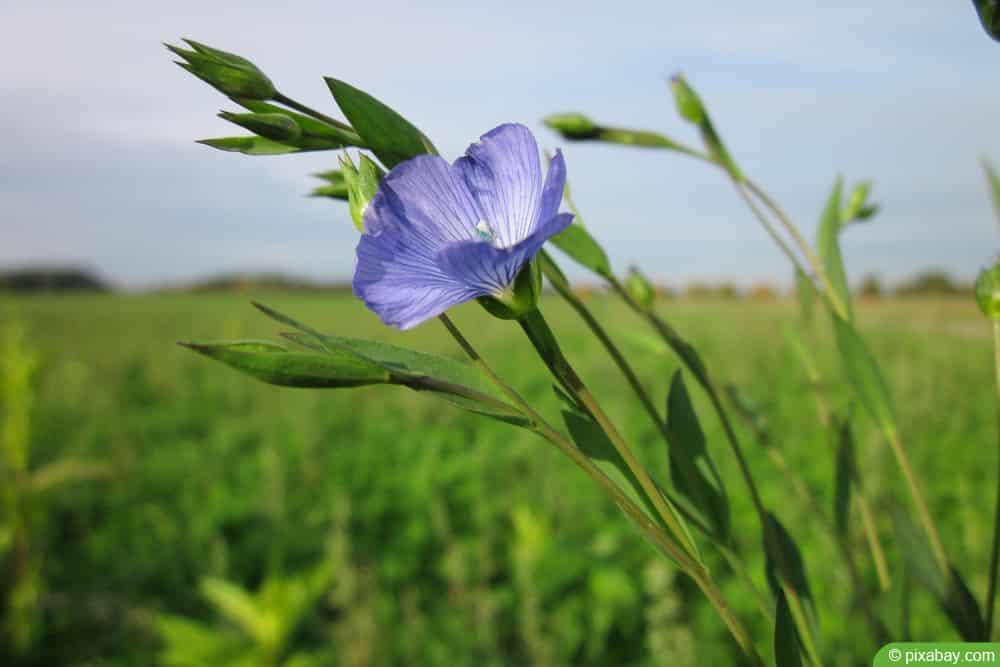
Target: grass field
(434, 537)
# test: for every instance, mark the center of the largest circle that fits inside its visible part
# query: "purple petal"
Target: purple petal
(504, 175)
(489, 269)
(555, 185)
(421, 208)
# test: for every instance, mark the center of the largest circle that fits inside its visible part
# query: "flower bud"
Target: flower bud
(573, 125)
(639, 288)
(988, 291)
(688, 103)
(362, 184)
(275, 126)
(226, 72)
(520, 298)
(858, 208)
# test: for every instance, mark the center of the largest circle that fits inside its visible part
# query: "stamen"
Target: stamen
(485, 232)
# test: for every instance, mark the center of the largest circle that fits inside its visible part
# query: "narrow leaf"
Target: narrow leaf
(950, 590)
(691, 469)
(250, 146)
(786, 575)
(828, 247)
(582, 248)
(786, 637)
(455, 381)
(864, 376)
(276, 365)
(845, 474)
(391, 137)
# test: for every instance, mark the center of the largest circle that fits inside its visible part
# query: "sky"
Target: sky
(98, 165)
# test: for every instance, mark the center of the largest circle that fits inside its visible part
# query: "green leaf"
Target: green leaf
(989, 16)
(844, 476)
(950, 590)
(786, 637)
(581, 247)
(691, 468)
(331, 191)
(786, 574)
(239, 607)
(391, 137)
(594, 443)
(362, 184)
(828, 247)
(276, 365)
(409, 366)
(250, 146)
(864, 376)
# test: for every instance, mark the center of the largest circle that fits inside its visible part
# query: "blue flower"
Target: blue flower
(438, 234)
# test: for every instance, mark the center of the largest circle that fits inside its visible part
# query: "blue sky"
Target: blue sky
(98, 166)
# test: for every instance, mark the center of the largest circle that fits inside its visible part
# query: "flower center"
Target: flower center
(485, 233)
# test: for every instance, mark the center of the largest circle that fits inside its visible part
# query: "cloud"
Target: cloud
(102, 168)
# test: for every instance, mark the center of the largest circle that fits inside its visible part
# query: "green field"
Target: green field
(430, 536)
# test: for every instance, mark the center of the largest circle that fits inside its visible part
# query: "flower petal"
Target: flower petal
(422, 207)
(504, 175)
(555, 185)
(487, 269)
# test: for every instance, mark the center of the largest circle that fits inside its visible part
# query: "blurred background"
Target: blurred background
(161, 510)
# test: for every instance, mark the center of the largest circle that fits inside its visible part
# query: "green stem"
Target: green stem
(691, 567)
(995, 549)
(544, 341)
(609, 345)
(298, 106)
(923, 513)
(701, 373)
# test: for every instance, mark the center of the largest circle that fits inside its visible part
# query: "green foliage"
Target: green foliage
(391, 137)
(691, 467)
(219, 476)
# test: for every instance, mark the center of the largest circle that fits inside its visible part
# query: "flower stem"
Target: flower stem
(541, 336)
(298, 106)
(683, 350)
(670, 548)
(990, 601)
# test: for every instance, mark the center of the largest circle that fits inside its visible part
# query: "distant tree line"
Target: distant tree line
(927, 283)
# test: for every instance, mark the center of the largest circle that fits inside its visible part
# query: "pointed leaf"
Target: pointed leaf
(786, 637)
(276, 365)
(864, 376)
(250, 146)
(844, 476)
(691, 469)
(582, 248)
(786, 574)
(240, 608)
(457, 380)
(950, 590)
(391, 137)
(828, 247)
